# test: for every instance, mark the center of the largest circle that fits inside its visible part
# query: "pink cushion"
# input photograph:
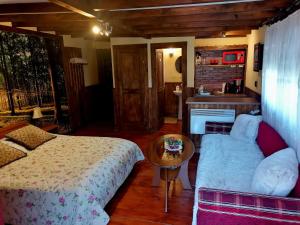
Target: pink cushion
(269, 140)
(296, 191)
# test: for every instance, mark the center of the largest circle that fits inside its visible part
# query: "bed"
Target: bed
(67, 180)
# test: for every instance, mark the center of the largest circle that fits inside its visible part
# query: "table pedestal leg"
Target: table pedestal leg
(183, 175)
(166, 194)
(156, 177)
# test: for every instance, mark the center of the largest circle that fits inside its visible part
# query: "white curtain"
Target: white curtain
(281, 79)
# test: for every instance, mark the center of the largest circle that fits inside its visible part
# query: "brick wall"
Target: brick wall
(212, 77)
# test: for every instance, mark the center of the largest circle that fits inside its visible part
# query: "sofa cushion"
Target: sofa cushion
(245, 128)
(276, 174)
(269, 140)
(224, 163)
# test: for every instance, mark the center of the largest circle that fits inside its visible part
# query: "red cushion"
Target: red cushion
(269, 140)
(296, 191)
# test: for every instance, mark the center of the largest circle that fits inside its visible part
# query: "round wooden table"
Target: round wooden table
(168, 165)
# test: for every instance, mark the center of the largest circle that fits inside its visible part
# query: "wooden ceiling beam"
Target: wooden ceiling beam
(55, 24)
(197, 35)
(202, 17)
(121, 4)
(232, 8)
(248, 23)
(32, 8)
(43, 18)
(80, 7)
(83, 7)
(77, 17)
(201, 32)
(198, 29)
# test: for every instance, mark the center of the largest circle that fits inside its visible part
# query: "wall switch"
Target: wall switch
(255, 83)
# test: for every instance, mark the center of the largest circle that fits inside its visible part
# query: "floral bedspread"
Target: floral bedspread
(66, 181)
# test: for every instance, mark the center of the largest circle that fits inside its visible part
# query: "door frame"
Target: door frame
(183, 46)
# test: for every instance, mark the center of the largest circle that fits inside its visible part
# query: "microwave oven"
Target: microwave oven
(233, 57)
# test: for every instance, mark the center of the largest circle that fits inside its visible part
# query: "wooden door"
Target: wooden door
(160, 86)
(74, 79)
(130, 64)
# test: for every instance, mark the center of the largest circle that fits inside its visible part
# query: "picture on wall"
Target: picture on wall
(29, 65)
(258, 57)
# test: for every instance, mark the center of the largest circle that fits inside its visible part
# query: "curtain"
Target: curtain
(281, 79)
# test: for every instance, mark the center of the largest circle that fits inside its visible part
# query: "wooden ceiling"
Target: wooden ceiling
(166, 18)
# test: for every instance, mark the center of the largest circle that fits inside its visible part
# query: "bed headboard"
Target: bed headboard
(11, 127)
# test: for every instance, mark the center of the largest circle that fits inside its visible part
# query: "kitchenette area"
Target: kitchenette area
(220, 94)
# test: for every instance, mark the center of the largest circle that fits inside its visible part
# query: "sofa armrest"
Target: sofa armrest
(218, 127)
(216, 207)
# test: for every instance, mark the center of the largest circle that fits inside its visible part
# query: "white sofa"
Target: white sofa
(228, 162)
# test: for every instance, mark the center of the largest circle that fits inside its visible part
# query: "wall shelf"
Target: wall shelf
(230, 65)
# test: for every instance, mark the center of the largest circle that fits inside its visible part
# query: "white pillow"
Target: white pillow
(245, 128)
(276, 174)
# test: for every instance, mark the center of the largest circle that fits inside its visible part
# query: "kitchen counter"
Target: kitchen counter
(222, 100)
(221, 95)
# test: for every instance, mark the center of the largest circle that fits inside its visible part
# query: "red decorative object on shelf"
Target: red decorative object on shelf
(214, 62)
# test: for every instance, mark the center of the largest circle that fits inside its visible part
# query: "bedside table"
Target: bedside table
(52, 128)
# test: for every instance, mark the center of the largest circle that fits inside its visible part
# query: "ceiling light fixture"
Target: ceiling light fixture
(185, 5)
(96, 29)
(102, 29)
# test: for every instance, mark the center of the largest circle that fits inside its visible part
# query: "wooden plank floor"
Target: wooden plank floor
(137, 202)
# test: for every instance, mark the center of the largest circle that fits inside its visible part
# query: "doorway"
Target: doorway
(106, 109)
(169, 76)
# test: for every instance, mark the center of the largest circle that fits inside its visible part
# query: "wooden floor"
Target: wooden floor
(137, 202)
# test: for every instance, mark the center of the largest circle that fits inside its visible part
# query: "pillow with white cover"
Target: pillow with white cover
(245, 128)
(276, 174)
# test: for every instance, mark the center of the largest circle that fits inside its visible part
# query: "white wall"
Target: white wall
(256, 36)
(190, 52)
(88, 49)
(169, 57)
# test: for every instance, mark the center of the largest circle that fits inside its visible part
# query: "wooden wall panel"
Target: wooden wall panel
(160, 86)
(170, 99)
(74, 79)
(189, 92)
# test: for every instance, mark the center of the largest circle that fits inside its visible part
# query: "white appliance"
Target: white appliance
(200, 116)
